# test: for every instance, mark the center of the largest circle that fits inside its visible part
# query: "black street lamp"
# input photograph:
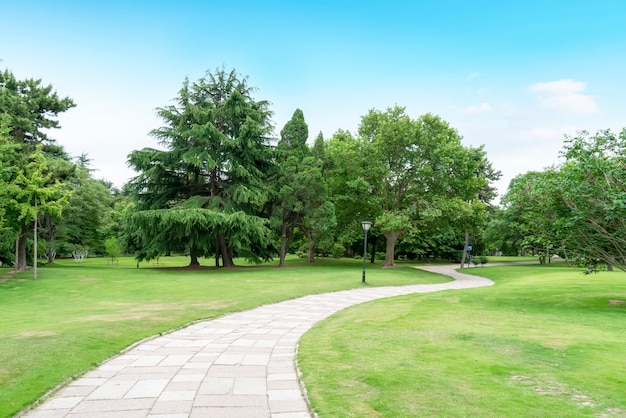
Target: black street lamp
(366, 227)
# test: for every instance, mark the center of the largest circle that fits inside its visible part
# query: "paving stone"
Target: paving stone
(230, 412)
(216, 386)
(115, 389)
(250, 386)
(147, 388)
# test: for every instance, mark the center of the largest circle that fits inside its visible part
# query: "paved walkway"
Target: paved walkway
(239, 365)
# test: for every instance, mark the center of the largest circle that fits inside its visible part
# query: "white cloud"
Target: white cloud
(473, 109)
(565, 96)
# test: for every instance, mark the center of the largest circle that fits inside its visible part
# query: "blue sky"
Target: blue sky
(515, 77)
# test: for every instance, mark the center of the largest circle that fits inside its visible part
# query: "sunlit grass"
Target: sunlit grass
(511, 259)
(544, 341)
(75, 315)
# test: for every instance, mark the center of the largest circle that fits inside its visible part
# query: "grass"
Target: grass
(544, 341)
(511, 259)
(74, 316)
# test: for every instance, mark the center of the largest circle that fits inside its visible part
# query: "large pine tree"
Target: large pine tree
(210, 177)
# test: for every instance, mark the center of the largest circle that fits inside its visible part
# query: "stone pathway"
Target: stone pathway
(239, 365)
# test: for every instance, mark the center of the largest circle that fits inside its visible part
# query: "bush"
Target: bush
(483, 260)
(380, 255)
(338, 250)
(112, 248)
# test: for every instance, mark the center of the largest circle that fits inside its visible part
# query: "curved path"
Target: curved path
(239, 365)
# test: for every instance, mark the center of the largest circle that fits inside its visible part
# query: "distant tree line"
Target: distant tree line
(221, 186)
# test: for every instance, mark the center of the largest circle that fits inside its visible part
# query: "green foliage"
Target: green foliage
(410, 176)
(504, 232)
(112, 248)
(294, 135)
(216, 152)
(28, 111)
(192, 231)
(29, 108)
(349, 190)
(337, 250)
(594, 198)
(576, 209)
(318, 147)
(301, 193)
(86, 216)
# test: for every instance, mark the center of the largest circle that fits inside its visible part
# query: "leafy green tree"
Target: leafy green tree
(420, 173)
(33, 195)
(7, 151)
(29, 110)
(504, 233)
(350, 192)
(216, 159)
(474, 199)
(112, 248)
(84, 219)
(301, 191)
(578, 208)
(534, 208)
(592, 190)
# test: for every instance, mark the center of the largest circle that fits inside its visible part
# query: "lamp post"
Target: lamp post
(366, 227)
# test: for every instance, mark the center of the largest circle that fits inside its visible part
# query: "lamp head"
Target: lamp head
(366, 225)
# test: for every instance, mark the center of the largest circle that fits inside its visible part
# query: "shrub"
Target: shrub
(338, 250)
(112, 248)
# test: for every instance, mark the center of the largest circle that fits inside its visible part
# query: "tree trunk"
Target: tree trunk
(35, 245)
(227, 259)
(50, 237)
(283, 245)
(17, 245)
(310, 255)
(50, 255)
(390, 249)
(464, 256)
(21, 248)
(217, 252)
(373, 255)
(194, 258)
(231, 262)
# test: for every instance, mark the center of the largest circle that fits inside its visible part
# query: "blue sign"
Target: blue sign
(469, 248)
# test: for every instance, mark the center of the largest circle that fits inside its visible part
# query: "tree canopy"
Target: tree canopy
(410, 175)
(218, 185)
(579, 207)
(215, 162)
(28, 111)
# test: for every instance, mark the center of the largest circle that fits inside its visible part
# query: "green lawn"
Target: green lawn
(74, 316)
(545, 341)
(511, 259)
